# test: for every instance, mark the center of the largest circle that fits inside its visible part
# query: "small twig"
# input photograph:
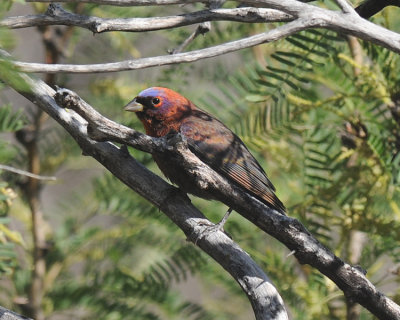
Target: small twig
(26, 173)
(201, 29)
(345, 6)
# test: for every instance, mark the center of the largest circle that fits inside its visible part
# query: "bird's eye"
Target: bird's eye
(155, 101)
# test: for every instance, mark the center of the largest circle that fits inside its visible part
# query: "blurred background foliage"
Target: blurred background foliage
(321, 111)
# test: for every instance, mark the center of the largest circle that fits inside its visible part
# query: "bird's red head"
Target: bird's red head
(160, 110)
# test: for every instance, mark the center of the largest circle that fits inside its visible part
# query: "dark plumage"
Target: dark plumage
(163, 111)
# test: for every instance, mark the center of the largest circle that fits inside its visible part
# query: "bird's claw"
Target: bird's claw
(210, 228)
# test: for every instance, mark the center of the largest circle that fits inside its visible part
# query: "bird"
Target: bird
(163, 111)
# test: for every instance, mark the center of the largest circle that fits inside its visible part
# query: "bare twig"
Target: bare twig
(202, 29)
(190, 56)
(56, 15)
(26, 173)
(126, 3)
(199, 30)
(345, 6)
(132, 3)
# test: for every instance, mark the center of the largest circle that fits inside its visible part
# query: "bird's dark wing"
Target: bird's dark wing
(224, 152)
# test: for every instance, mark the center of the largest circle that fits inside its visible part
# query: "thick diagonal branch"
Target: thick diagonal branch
(287, 230)
(265, 300)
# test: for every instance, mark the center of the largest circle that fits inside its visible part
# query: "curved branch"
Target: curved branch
(288, 230)
(56, 15)
(190, 56)
(308, 16)
(264, 298)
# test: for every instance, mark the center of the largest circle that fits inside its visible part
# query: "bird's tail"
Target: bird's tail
(271, 200)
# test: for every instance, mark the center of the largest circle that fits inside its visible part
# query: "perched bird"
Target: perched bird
(163, 111)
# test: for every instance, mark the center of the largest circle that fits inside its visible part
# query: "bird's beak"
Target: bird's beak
(133, 106)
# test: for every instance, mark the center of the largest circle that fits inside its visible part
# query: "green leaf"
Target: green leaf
(10, 121)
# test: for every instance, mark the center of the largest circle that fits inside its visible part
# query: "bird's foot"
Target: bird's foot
(212, 228)
(220, 225)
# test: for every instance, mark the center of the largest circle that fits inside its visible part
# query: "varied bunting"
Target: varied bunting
(163, 111)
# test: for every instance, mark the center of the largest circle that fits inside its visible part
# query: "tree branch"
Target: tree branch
(308, 16)
(345, 6)
(366, 9)
(190, 56)
(264, 298)
(6, 314)
(201, 29)
(26, 173)
(126, 3)
(56, 15)
(132, 3)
